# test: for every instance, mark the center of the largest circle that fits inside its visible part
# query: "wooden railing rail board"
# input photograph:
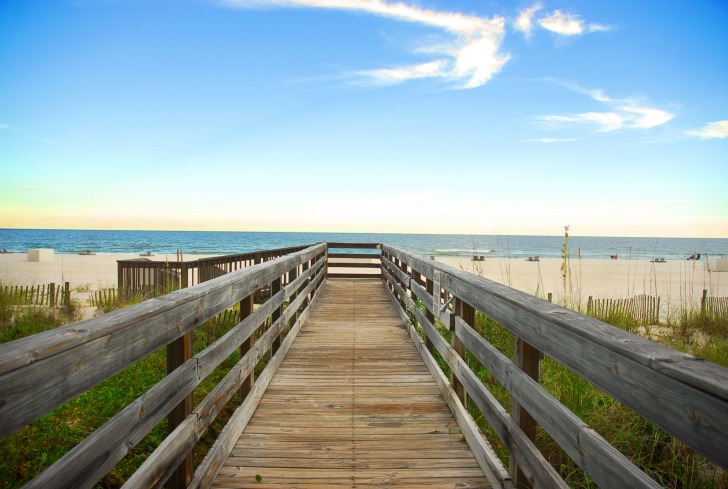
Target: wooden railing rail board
(338, 259)
(139, 273)
(154, 472)
(39, 373)
(683, 395)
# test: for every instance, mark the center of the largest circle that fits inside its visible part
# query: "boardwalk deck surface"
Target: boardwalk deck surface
(352, 405)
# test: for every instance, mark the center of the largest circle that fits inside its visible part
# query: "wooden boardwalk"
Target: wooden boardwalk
(352, 405)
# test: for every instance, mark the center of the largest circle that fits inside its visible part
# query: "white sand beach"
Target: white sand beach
(97, 271)
(677, 282)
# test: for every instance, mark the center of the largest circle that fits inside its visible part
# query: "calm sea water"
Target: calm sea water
(207, 242)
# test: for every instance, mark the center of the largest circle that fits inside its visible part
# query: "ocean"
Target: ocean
(220, 242)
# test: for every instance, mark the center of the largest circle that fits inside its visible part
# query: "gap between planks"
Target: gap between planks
(352, 405)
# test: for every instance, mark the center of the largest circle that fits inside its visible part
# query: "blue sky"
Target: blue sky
(473, 117)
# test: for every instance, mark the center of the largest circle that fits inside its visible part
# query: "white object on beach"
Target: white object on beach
(718, 264)
(40, 254)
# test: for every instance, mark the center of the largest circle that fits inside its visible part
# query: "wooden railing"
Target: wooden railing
(42, 372)
(141, 274)
(365, 264)
(685, 396)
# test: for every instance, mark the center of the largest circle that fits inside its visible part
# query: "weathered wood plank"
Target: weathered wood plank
(354, 245)
(43, 371)
(318, 425)
(679, 393)
(215, 458)
(538, 470)
(601, 461)
(487, 459)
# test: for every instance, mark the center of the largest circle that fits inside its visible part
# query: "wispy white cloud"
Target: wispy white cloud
(4, 126)
(558, 22)
(568, 24)
(713, 130)
(471, 58)
(524, 21)
(620, 113)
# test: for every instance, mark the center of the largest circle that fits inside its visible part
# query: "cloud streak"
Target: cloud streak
(621, 113)
(558, 22)
(568, 24)
(713, 130)
(471, 58)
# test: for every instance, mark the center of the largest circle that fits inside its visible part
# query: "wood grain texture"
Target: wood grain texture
(684, 395)
(351, 405)
(41, 372)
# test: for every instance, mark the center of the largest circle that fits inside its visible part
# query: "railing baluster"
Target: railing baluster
(527, 358)
(246, 309)
(274, 289)
(429, 286)
(467, 313)
(178, 352)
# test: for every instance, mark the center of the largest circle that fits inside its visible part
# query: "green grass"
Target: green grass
(33, 448)
(664, 458)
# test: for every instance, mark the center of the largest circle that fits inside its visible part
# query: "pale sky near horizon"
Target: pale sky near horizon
(427, 116)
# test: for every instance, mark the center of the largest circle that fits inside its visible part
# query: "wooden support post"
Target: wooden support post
(527, 358)
(178, 352)
(467, 314)
(703, 304)
(415, 299)
(292, 275)
(429, 286)
(403, 267)
(246, 309)
(304, 269)
(274, 289)
(183, 275)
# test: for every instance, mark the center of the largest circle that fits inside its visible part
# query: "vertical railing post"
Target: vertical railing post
(326, 262)
(402, 266)
(183, 275)
(292, 275)
(246, 309)
(466, 312)
(429, 286)
(178, 352)
(274, 289)
(416, 278)
(527, 358)
(304, 269)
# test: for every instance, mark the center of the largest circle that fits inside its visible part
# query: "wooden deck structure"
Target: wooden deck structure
(352, 405)
(346, 398)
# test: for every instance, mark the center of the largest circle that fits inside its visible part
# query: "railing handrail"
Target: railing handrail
(40, 372)
(684, 395)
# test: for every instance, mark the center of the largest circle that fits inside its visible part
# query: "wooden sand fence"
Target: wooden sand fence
(159, 277)
(642, 309)
(713, 308)
(52, 294)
